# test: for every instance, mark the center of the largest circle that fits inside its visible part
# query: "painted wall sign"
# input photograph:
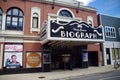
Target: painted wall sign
(75, 30)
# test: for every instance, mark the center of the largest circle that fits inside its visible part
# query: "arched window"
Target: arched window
(35, 20)
(0, 18)
(65, 13)
(14, 19)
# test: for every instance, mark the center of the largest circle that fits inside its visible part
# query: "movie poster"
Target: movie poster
(13, 60)
(33, 60)
(13, 55)
(85, 57)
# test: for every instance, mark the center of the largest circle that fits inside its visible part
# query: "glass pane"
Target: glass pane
(35, 15)
(20, 22)
(14, 21)
(9, 12)
(8, 18)
(35, 23)
(20, 13)
(14, 24)
(7, 24)
(15, 12)
(65, 13)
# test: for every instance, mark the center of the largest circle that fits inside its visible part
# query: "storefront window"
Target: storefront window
(14, 19)
(117, 53)
(0, 19)
(113, 54)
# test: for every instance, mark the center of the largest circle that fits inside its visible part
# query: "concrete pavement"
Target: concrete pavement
(57, 75)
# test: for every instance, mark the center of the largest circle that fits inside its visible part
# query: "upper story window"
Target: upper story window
(110, 32)
(14, 19)
(0, 18)
(35, 19)
(65, 13)
(90, 20)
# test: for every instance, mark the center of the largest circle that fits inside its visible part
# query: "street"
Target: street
(113, 75)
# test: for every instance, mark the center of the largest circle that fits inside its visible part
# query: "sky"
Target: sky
(107, 7)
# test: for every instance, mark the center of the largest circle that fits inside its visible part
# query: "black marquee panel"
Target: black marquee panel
(75, 30)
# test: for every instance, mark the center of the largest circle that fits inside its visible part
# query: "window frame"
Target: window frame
(64, 19)
(90, 18)
(64, 13)
(35, 10)
(14, 24)
(110, 32)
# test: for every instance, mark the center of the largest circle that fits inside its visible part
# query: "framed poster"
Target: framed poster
(46, 58)
(13, 56)
(85, 57)
(12, 60)
(33, 60)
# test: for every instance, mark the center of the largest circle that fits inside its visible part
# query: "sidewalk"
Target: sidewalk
(56, 75)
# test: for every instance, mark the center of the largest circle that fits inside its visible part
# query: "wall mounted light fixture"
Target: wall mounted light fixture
(53, 4)
(78, 7)
(4, 0)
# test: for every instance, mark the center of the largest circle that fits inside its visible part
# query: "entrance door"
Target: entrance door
(60, 58)
(108, 56)
(93, 58)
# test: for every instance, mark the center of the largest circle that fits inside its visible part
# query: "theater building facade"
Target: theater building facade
(45, 35)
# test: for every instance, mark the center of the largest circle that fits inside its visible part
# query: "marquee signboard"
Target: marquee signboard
(75, 30)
